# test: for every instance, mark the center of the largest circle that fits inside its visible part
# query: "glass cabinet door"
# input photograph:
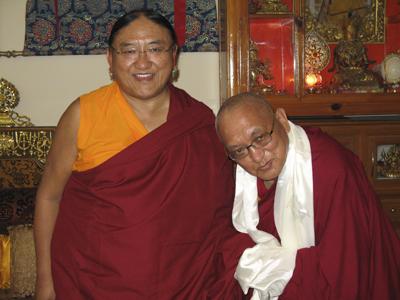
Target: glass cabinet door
(313, 57)
(385, 172)
(273, 68)
(346, 43)
(385, 160)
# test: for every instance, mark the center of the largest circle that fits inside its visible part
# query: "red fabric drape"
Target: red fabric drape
(57, 18)
(180, 20)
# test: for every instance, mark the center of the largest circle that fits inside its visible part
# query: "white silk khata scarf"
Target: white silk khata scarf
(268, 266)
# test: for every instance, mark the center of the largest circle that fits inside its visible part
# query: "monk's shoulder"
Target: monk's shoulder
(98, 96)
(328, 154)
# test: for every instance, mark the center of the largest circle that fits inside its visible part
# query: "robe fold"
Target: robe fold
(148, 223)
(357, 252)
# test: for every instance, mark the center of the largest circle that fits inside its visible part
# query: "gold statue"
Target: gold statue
(351, 61)
(259, 72)
(267, 6)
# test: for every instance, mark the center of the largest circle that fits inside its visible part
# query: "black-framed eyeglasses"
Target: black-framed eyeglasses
(259, 142)
(132, 52)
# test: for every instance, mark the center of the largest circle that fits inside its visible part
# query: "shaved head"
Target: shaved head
(244, 100)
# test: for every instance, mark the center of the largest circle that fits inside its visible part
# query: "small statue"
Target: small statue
(259, 72)
(267, 6)
(351, 61)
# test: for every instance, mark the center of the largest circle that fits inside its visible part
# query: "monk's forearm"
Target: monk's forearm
(46, 212)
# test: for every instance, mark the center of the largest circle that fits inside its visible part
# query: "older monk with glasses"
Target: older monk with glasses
(306, 202)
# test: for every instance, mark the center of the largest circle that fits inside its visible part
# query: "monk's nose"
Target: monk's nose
(256, 154)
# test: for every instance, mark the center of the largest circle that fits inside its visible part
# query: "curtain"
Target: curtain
(58, 27)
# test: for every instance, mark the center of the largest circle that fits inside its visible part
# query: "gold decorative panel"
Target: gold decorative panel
(329, 17)
(23, 147)
(26, 143)
(316, 52)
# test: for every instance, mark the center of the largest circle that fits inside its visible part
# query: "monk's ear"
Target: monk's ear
(175, 56)
(109, 57)
(110, 64)
(175, 53)
(280, 115)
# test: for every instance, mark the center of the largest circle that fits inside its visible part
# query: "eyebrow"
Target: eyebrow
(136, 43)
(255, 133)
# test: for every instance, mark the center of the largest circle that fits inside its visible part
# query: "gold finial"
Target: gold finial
(9, 99)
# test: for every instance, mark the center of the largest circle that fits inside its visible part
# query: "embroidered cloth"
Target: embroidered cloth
(56, 27)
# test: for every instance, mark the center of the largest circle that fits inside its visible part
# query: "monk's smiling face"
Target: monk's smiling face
(143, 75)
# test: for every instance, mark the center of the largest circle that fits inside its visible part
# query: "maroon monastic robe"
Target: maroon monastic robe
(357, 252)
(147, 223)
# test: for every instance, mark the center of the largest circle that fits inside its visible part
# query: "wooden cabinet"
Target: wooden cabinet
(377, 144)
(281, 46)
(284, 44)
(391, 205)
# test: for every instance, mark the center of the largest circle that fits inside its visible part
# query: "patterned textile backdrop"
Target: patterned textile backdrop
(57, 27)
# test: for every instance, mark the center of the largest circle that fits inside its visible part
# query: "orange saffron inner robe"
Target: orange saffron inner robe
(107, 125)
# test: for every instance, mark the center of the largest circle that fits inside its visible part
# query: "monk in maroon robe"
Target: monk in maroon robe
(355, 252)
(148, 223)
(136, 196)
